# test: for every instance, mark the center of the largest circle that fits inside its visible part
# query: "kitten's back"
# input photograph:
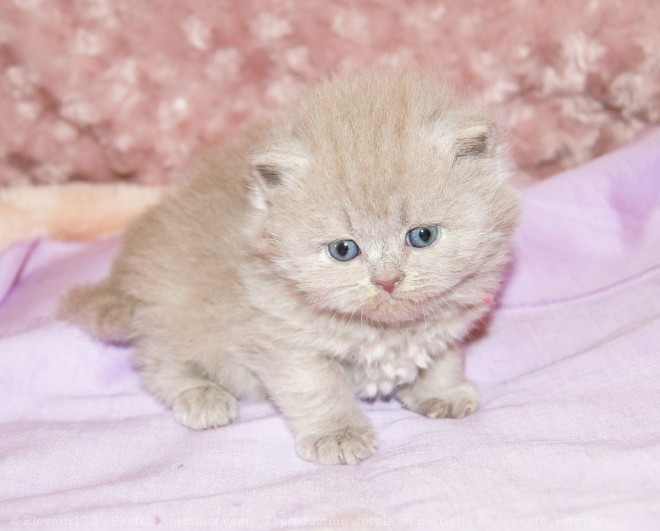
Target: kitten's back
(188, 242)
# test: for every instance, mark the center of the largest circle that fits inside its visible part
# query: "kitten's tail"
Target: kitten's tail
(101, 310)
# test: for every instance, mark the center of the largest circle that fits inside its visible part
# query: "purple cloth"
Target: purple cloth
(568, 434)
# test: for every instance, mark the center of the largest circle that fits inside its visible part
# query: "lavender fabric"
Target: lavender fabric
(568, 434)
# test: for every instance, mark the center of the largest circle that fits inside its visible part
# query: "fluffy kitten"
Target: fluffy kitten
(345, 250)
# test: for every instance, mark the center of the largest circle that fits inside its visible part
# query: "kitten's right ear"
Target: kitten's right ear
(273, 167)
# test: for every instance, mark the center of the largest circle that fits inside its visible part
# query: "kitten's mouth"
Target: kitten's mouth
(400, 307)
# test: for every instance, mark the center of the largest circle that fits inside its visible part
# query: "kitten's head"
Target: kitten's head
(381, 197)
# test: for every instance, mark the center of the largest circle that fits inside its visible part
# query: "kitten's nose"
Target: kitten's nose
(388, 284)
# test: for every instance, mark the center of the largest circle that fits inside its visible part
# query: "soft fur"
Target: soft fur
(228, 291)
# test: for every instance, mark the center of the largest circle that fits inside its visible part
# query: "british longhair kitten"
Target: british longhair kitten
(345, 250)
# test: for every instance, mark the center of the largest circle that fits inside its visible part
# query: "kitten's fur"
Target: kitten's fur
(228, 291)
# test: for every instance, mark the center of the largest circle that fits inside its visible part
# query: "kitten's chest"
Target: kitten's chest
(382, 360)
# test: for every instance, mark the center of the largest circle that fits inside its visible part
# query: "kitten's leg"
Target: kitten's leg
(196, 401)
(441, 390)
(315, 397)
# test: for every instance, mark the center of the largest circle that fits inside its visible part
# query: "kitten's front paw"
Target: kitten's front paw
(205, 407)
(455, 402)
(348, 446)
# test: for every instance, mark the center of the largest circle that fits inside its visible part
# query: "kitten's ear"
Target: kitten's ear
(463, 135)
(274, 166)
(475, 138)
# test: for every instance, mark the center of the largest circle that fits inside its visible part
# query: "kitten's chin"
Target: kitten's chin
(379, 312)
(391, 311)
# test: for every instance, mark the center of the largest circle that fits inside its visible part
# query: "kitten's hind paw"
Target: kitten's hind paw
(344, 446)
(456, 402)
(205, 407)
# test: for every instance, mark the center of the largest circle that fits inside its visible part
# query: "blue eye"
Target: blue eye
(343, 250)
(422, 236)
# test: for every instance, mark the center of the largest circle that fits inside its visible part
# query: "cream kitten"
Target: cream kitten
(346, 250)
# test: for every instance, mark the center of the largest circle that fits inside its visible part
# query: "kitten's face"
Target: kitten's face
(385, 222)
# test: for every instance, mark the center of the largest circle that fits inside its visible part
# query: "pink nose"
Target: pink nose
(388, 284)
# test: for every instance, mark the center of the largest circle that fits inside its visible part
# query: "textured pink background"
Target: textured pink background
(104, 90)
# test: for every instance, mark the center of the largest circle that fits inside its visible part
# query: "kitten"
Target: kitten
(347, 249)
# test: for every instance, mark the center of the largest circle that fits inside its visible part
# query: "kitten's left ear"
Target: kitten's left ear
(475, 138)
(272, 167)
(464, 135)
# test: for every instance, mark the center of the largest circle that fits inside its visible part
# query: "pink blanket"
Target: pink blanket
(568, 435)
